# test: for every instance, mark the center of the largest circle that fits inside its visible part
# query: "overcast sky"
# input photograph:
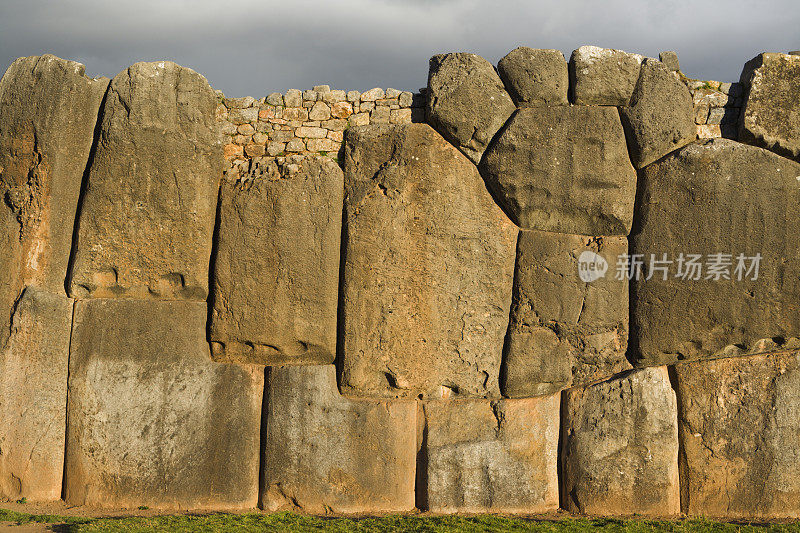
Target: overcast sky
(252, 47)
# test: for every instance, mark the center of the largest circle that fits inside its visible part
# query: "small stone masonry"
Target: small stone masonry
(547, 284)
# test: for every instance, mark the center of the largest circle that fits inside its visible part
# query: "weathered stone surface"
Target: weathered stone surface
(602, 76)
(620, 446)
(48, 112)
(467, 102)
(535, 76)
(151, 419)
(660, 117)
(483, 456)
(148, 213)
(428, 268)
(564, 330)
(276, 270)
(33, 397)
(563, 169)
(326, 453)
(771, 114)
(670, 60)
(739, 430)
(716, 197)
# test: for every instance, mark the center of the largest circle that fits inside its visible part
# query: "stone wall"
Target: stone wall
(546, 284)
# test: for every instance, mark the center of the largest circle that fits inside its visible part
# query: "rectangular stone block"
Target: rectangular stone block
(569, 313)
(739, 432)
(484, 456)
(48, 113)
(147, 216)
(718, 268)
(33, 397)
(428, 268)
(620, 446)
(151, 419)
(275, 282)
(326, 453)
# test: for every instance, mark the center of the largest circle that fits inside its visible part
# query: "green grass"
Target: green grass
(423, 524)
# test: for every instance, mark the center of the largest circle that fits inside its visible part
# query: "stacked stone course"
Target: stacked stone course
(344, 302)
(305, 122)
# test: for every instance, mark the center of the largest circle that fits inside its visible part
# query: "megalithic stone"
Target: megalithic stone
(770, 117)
(147, 218)
(719, 220)
(739, 436)
(151, 419)
(490, 456)
(33, 397)
(275, 288)
(48, 113)
(428, 268)
(324, 452)
(620, 446)
(467, 102)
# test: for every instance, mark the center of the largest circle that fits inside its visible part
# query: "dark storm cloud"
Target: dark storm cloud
(256, 47)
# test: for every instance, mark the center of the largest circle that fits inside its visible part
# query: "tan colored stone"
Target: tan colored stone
(620, 450)
(276, 272)
(152, 421)
(359, 119)
(739, 432)
(325, 453)
(48, 113)
(563, 330)
(373, 94)
(298, 113)
(341, 110)
(771, 114)
(715, 197)
(33, 397)
(481, 456)
(564, 169)
(467, 102)
(311, 132)
(320, 111)
(323, 145)
(400, 116)
(147, 216)
(428, 267)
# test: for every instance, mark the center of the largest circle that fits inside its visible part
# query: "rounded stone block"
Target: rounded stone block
(467, 102)
(563, 169)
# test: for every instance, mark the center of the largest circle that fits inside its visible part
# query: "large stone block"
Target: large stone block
(276, 271)
(151, 419)
(326, 453)
(482, 456)
(564, 169)
(739, 435)
(147, 216)
(428, 268)
(660, 117)
(567, 327)
(467, 102)
(535, 76)
(602, 76)
(48, 113)
(33, 397)
(715, 197)
(620, 446)
(771, 114)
